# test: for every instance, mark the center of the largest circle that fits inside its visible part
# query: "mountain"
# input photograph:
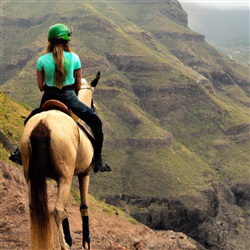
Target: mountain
(175, 111)
(226, 29)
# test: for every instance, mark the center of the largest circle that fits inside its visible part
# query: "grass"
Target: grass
(11, 117)
(173, 173)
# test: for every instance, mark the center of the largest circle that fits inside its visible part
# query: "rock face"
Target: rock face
(242, 195)
(174, 12)
(239, 129)
(219, 222)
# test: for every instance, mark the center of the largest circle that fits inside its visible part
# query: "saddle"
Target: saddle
(57, 105)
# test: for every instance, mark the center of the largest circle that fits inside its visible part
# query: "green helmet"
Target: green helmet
(60, 30)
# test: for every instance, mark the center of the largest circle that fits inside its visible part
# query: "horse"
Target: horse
(53, 146)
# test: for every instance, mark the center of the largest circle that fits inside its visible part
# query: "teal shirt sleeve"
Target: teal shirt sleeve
(77, 62)
(39, 64)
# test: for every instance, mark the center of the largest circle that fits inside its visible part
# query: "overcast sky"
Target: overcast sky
(221, 4)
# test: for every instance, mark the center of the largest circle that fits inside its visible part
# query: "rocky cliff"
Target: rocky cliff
(218, 222)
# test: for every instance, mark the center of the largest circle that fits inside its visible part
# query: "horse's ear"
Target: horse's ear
(95, 81)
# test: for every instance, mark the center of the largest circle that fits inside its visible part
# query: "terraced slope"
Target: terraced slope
(175, 110)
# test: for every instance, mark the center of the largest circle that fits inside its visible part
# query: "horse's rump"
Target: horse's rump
(57, 105)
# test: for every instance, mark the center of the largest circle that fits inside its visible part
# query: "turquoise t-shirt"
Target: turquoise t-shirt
(46, 63)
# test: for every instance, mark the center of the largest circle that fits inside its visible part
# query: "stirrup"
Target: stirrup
(99, 166)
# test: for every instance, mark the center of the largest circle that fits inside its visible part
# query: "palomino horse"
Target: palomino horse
(52, 146)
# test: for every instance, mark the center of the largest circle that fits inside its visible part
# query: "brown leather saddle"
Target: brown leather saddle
(57, 105)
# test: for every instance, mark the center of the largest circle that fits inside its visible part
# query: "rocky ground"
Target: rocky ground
(109, 229)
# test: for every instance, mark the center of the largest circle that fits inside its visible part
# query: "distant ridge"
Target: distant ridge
(226, 29)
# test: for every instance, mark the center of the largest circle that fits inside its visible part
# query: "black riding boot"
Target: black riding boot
(16, 156)
(99, 166)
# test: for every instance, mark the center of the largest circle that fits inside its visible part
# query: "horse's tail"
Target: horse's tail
(38, 165)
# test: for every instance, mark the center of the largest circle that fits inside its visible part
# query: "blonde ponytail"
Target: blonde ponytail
(60, 73)
(57, 52)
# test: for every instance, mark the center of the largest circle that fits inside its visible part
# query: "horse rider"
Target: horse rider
(59, 74)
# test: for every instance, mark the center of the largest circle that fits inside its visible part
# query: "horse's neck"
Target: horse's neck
(85, 95)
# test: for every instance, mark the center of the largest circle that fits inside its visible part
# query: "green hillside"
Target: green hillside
(174, 109)
(11, 126)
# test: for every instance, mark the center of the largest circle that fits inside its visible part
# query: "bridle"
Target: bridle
(86, 87)
(89, 87)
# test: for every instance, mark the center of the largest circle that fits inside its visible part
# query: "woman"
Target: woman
(59, 74)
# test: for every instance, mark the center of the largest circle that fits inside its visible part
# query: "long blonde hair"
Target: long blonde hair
(57, 47)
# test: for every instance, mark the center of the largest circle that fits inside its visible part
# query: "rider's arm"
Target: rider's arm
(78, 77)
(40, 79)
